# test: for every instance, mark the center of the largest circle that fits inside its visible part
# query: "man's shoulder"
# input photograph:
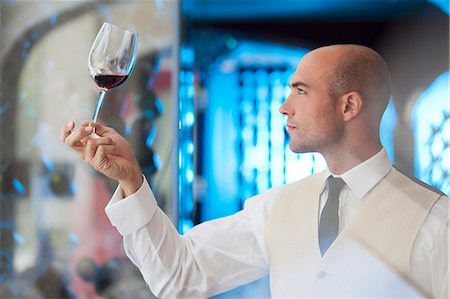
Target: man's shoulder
(412, 182)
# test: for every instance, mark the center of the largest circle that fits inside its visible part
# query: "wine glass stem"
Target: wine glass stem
(101, 96)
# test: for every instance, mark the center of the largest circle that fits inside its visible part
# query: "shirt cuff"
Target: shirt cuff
(133, 212)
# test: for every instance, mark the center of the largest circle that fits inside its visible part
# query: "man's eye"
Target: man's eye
(301, 91)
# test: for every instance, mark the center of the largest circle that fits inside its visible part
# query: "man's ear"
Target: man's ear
(351, 104)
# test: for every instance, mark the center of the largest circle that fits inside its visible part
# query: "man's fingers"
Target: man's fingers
(93, 144)
(73, 139)
(101, 161)
(66, 130)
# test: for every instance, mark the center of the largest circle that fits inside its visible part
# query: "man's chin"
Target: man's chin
(299, 148)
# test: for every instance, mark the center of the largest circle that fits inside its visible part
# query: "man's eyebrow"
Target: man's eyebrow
(298, 83)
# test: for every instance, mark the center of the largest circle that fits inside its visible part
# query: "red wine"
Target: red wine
(109, 81)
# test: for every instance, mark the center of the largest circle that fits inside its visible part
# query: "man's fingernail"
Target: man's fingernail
(69, 124)
(88, 129)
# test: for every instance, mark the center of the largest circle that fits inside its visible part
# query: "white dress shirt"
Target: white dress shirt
(219, 255)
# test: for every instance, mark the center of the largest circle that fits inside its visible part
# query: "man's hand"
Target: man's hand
(109, 153)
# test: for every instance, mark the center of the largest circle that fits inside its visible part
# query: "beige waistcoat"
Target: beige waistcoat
(372, 252)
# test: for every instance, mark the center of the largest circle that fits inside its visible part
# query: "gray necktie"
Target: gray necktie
(329, 220)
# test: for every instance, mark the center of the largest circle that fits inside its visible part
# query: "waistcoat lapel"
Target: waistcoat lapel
(292, 221)
(390, 218)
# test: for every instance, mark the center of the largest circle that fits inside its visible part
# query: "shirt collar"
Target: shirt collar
(364, 176)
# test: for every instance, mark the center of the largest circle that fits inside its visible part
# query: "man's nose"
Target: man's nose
(284, 109)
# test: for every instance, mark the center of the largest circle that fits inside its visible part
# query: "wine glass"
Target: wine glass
(111, 59)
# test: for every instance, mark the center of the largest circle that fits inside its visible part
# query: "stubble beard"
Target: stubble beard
(301, 145)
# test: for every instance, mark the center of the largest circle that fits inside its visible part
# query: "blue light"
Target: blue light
(446, 159)
(262, 181)
(387, 127)
(287, 91)
(319, 163)
(436, 174)
(47, 162)
(159, 105)
(4, 108)
(189, 118)
(150, 137)
(72, 187)
(189, 176)
(157, 161)
(26, 44)
(190, 91)
(190, 148)
(431, 127)
(247, 133)
(248, 174)
(250, 120)
(246, 107)
(186, 225)
(442, 4)
(231, 43)
(180, 159)
(54, 19)
(18, 238)
(187, 55)
(19, 187)
(276, 132)
(185, 134)
(74, 238)
(127, 131)
(437, 146)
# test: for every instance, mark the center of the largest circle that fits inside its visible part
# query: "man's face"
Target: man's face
(313, 121)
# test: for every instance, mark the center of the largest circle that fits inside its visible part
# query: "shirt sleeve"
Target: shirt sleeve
(211, 258)
(429, 255)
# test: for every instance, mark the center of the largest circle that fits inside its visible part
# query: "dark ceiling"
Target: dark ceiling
(233, 10)
(307, 23)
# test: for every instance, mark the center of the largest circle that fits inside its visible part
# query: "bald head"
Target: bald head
(361, 69)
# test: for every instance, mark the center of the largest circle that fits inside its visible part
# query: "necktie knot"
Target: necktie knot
(329, 220)
(335, 186)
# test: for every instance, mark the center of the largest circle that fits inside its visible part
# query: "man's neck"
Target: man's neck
(341, 161)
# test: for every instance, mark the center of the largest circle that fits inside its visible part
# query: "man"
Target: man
(392, 231)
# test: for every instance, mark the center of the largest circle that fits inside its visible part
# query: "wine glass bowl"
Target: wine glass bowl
(111, 59)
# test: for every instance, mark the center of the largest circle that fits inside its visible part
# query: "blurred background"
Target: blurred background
(201, 112)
